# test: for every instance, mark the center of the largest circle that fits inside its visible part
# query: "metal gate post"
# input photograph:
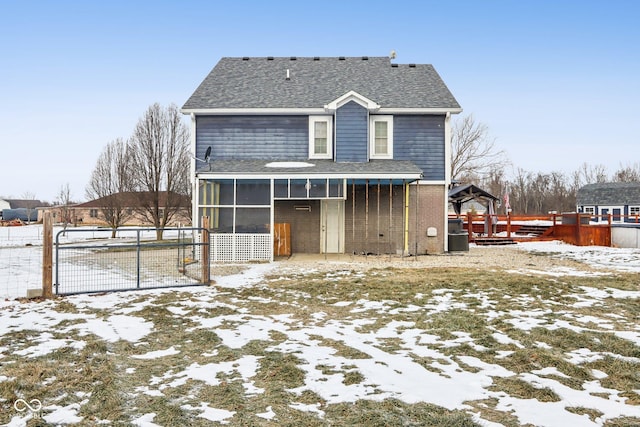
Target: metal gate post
(138, 259)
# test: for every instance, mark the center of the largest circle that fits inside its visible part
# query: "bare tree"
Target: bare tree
(160, 164)
(29, 200)
(473, 153)
(110, 183)
(592, 174)
(63, 199)
(520, 197)
(629, 173)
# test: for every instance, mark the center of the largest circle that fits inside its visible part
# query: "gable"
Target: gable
(352, 96)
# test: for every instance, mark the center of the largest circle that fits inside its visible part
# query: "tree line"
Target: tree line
(476, 160)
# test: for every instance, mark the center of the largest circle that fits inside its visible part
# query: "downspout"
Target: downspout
(406, 217)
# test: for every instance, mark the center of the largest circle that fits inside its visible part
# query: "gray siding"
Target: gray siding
(351, 133)
(421, 140)
(253, 137)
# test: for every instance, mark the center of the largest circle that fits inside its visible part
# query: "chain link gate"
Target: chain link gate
(99, 260)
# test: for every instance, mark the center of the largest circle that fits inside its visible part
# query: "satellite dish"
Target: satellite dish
(207, 157)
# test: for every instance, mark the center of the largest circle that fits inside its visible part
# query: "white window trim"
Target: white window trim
(591, 210)
(372, 136)
(636, 207)
(312, 121)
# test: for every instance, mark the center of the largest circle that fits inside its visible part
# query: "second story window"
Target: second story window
(320, 137)
(381, 138)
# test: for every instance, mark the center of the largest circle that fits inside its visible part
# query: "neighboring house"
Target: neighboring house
(92, 212)
(22, 209)
(353, 153)
(621, 200)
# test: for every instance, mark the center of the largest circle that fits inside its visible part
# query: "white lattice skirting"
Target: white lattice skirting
(241, 247)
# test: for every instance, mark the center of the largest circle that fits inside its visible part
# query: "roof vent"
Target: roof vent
(316, 58)
(293, 58)
(365, 58)
(288, 75)
(245, 58)
(269, 58)
(394, 65)
(412, 65)
(341, 58)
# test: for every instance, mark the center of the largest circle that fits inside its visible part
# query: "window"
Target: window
(320, 137)
(634, 210)
(93, 213)
(236, 205)
(381, 137)
(589, 210)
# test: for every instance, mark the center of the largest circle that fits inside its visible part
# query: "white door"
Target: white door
(332, 226)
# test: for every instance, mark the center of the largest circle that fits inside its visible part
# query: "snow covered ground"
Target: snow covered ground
(451, 382)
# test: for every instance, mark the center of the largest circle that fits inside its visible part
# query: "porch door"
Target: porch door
(332, 226)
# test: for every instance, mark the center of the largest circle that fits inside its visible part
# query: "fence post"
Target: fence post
(204, 251)
(47, 255)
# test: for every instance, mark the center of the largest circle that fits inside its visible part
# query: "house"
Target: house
(621, 200)
(101, 211)
(351, 154)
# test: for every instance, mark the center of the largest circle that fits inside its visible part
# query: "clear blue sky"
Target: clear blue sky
(556, 82)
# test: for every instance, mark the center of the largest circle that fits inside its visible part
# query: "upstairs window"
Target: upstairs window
(381, 137)
(320, 137)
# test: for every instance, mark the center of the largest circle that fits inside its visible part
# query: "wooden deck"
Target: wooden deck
(571, 228)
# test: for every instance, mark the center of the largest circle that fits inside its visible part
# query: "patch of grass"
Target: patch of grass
(342, 350)
(622, 375)
(623, 422)
(519, 388)
(488, 411)
(592, 413)
(353, 377)
(391, 412)
(531, 359)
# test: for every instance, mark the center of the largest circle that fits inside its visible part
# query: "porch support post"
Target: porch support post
(378, 220)
(353, 214)
(391, 239)
(366, 217)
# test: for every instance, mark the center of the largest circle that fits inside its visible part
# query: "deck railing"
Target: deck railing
(575, 228)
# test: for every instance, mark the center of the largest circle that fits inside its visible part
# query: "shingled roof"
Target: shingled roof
(609, 194)
(316, 81)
